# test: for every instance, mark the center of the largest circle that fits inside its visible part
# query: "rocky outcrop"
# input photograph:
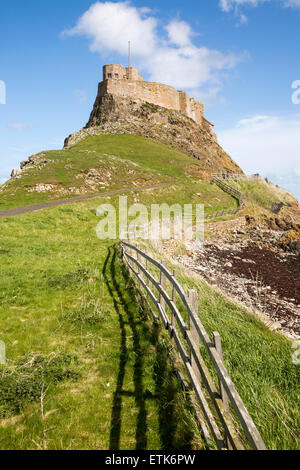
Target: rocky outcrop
(121, 115)
(37, 161)
(16, 173)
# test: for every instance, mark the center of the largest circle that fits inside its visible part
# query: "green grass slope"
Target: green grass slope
(87, 369)
(260, 195)
(118, 162)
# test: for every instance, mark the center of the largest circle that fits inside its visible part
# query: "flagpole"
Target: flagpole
(129, 52)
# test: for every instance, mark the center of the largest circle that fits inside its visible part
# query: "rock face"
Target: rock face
(121, 115)
(35, 161)
(16, 173)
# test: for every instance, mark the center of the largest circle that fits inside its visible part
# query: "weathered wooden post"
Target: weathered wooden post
(218, 346)
(174, 301)
(163, 282)
(193, 304)
(146, 267)
(138, 257)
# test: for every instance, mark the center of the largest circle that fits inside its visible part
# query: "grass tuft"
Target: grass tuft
(24, 382)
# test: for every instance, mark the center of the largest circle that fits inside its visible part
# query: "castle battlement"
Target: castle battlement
(128, 83)
(118, 72)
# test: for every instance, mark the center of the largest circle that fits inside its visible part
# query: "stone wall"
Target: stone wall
(154, 93)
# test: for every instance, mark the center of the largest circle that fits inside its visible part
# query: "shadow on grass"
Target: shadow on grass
(131, 311)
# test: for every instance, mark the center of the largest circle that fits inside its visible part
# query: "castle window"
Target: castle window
(109, 75)
(116, 75)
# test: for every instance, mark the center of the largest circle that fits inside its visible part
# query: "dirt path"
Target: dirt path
(60, 202)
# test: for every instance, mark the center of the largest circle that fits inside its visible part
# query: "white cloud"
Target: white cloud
(228, 5)
(179, 33)
(268, 145)
(111, 25)
(236, 5)
(171, 58)
(18, 126)
(292, 3)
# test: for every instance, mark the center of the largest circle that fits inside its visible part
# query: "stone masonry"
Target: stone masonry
(128, 83)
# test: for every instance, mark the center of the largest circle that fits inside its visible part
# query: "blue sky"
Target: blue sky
(240, 57)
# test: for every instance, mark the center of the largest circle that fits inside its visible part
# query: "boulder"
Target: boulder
(16, 173)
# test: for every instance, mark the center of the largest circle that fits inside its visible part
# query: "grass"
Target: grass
(258, 360)
(64, 292)
(122, 161)
(262, 194)
(86, 368)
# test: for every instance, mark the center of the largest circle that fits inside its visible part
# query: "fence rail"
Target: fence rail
(220, 181)
(221, 404)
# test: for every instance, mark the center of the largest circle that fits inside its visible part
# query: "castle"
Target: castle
(126, 104)
(128, 83)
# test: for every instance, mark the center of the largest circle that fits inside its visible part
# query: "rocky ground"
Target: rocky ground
(251, 265)
(120, 115)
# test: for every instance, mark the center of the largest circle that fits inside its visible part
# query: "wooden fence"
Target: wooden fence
(230, 176)
(220, 181)
(221, 404)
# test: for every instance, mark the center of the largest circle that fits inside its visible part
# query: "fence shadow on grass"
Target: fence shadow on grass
(132, 313)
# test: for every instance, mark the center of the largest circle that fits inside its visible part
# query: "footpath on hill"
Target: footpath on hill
(59, 202)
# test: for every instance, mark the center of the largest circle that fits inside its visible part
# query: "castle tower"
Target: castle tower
(118, 72)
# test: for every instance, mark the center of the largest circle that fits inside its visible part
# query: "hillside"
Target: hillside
(121, 115)
(87, 368)
(106, 163)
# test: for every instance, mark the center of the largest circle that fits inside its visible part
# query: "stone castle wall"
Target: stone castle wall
(150, 92)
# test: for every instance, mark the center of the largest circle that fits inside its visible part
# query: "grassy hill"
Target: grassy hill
(86, 367)
(111, 162)
(83, 360)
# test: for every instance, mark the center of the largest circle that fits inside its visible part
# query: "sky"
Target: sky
(239, 57)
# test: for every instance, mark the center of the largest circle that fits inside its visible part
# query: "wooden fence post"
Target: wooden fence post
(146, 267)
(174, 300)
(193, 303)
(138, 257)
(163, 282)
(218, 346)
